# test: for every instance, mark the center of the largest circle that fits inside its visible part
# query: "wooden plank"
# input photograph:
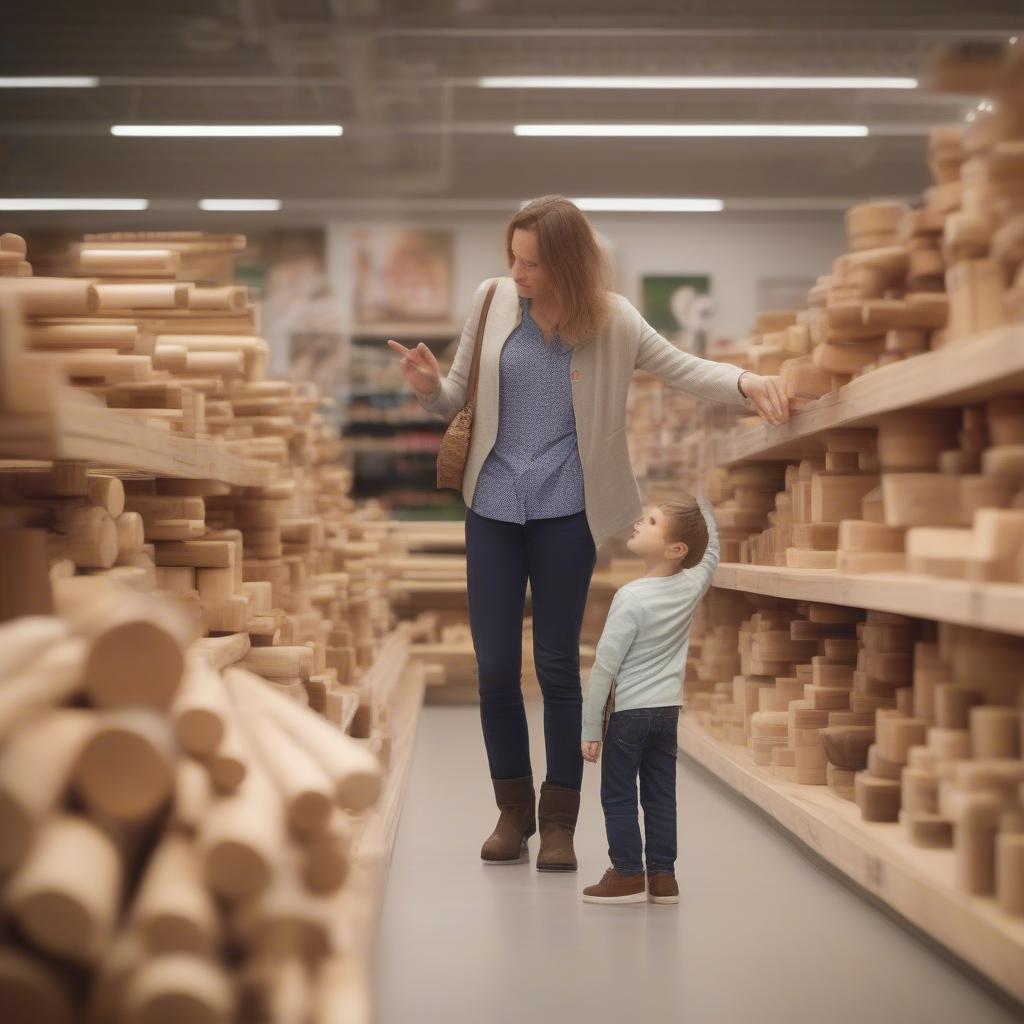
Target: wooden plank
(995, 606)
(79, 431)
(973, 371)
(915, 882)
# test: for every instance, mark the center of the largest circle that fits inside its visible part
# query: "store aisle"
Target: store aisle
(761, 934)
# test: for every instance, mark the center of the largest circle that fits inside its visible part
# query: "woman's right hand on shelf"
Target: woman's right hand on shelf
(418, 366)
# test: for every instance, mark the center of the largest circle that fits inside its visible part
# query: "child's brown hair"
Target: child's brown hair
(684, 521)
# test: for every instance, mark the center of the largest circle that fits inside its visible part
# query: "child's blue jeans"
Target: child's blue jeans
(640, 742)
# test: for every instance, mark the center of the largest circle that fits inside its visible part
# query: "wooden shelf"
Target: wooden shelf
(958, 374)
(995, 606)
(79, 431)
(427, 331)
(915, 882)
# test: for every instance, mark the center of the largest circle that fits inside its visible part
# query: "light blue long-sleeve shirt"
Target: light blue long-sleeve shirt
(646, 637)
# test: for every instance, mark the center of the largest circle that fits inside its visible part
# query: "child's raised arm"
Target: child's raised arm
(704, 570)
(620, 628)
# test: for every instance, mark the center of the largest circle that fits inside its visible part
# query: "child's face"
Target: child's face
(648, 538)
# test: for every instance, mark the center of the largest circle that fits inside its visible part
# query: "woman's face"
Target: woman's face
(527, 271)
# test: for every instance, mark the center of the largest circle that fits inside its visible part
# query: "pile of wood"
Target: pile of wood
(175, 838)
(915, 278)
(914, 721)
(934, 491)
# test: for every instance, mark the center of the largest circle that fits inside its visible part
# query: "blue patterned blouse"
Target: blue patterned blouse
(533, 471)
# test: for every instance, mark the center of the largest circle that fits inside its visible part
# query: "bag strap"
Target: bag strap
(474, 370)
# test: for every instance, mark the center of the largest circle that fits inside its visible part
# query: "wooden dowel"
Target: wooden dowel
(304, 787)
(231, 297)
(128, 262)
(173, 908)
(200, 709)
(35, 766)
(53, 678)
(120, 337)
(30, 992)
(228, 765)
(325, 859)
(192, 795)
(107, 492)
(242, 838)
(25, 638)
(125, 769)
(87, 536)
(130, 533)
(65, 894)
(353, 768)
(56, 296)
(142, 296)
(24, 575)
(221, 651)
(178, 987)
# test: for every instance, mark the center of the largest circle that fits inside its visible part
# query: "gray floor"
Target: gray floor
(761, 933)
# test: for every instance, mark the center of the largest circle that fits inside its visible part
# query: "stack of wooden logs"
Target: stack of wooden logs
(911, 720)
(286, 562)
(175, 834)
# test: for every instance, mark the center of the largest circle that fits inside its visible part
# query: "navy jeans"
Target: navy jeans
(640, 742)
(557, 556)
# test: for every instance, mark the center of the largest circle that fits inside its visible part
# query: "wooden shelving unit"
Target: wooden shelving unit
(995, 606)
(916, 882)
(972, 371)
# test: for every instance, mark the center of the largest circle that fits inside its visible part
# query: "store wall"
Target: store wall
(734, 250)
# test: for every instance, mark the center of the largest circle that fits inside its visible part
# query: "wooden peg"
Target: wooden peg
(179, 987)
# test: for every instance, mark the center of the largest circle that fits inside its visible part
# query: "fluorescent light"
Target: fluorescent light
(74, 204)
(632, 204)
(248, 205)
(693, 82)
(225, 130)
(696, 130)
(48, 82)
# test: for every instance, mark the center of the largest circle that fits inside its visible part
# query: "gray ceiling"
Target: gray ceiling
(399, 76)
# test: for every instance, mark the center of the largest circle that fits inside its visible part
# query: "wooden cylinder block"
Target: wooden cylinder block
(56, 296)
(922, 499)
(120, 337)
(200, 709)
(23, 639)
(89, 537)
(995, 731)
(227, 297)
(837, 497)
(229, 763)
(35, 765)
(912, 440)
(128, 262)
(24, 575)
(143, 296)
(192, 795)
(878, 799)
(137, 655)
(325, 858)
(130, 533)
(179, 987)
(173, 907)
(847, 747)
(974, 855)
(30, 992)
(125, 769)
(65, 894)
(279, 662)
(1009, 872)
(53, 678)
(106, 492)
(242, 838)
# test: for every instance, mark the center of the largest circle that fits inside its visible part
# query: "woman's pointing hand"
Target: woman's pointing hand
(419, 367)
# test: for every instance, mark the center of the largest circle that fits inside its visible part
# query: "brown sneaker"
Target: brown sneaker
(616, 888)
(516, 823)
(662, 887)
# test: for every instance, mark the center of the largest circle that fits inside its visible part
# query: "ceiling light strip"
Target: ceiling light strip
(693, 130)
(694, 82)
(226, 130)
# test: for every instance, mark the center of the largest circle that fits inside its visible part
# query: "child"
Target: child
(643, 646)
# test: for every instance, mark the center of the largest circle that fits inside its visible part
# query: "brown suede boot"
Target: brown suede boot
(516, 823)
(662, 887)
(557, 813)
(616, 888)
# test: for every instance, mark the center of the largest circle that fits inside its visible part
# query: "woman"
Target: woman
(548, 479)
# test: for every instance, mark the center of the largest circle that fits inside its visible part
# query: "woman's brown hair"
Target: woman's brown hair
(573, 260)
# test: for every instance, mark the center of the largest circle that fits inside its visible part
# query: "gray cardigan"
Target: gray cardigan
(601, 372)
